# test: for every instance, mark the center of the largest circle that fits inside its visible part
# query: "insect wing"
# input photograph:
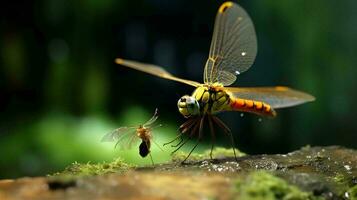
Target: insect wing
(128, 142)
(233, 47)
(153, 118)
(116, 134)
(124, 137)
(277, 97)
(154, 70)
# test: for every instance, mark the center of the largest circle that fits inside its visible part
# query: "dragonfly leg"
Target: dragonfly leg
(221, 124)
(181, 140)
(189, 136)
(186, 125)
(213, 135)
(233, 145)
(183, 129)
(228, 133)
(180, 145)
(198, 140)
(177, 137)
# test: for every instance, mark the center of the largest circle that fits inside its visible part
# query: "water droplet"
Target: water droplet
(260, 120)
(237, 72)
(244, 53)
(347, 195)
(242, 115)
(347, 167)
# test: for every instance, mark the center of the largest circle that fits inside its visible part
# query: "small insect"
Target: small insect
(232, 52)
(126, 137)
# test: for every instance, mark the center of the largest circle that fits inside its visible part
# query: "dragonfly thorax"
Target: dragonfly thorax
(204, 100)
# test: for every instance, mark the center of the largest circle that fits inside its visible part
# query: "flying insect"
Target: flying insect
(126, 137)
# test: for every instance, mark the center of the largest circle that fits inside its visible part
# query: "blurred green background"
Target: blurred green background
(61, 91)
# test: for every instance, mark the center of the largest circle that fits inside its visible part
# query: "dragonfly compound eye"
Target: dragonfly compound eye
(188, 106)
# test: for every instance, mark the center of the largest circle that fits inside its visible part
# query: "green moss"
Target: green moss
(218, 152)
(339, 178)
(352, 193)
(265, 186)
(89, 169)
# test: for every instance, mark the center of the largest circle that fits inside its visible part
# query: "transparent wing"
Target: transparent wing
(154, 70)
(277, 97)
(153, 118)
(116, 134)
(124, 137)
(129, 142)
(233, 47)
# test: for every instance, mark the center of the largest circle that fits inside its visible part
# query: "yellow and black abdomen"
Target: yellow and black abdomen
(212, 100)
(256, 107)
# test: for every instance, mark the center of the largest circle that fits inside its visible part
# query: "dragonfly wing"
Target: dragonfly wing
(277, 97)
(233, 47)
(154, 70)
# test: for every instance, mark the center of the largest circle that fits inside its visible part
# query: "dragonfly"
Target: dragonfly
(126, 137)
(233, 51)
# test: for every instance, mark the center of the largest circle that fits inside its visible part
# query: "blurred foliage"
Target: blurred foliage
(61, 91)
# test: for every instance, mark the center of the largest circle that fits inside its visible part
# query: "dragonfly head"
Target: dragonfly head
(188, 106)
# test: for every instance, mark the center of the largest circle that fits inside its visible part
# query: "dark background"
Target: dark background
(61, 91)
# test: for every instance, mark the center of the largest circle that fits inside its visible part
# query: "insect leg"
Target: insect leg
(180, 145)
(181, 140)
(221, 124)
(187, 125)
(185, 128)
(233, 145)
(191, 134)
(177, 137)
(228, 132)
(198, 140)
(152, 161)
(191, 126)
(213, 135)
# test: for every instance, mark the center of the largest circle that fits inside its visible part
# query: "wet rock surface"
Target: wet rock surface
(308, 173)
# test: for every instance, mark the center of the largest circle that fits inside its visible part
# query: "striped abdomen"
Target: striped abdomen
(256, 107)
